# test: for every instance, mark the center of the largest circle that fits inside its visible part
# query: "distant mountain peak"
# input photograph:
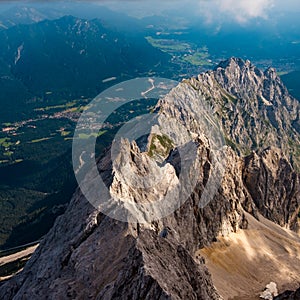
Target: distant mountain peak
(74, 55)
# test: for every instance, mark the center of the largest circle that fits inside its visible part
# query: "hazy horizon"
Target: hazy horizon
(240, 12)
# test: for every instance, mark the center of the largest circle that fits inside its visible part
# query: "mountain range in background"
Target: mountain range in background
(55, 61)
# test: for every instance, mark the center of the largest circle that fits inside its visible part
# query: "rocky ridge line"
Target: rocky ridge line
(89, 255)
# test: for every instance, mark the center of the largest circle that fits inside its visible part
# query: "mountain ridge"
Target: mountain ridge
(255, 108)
(88, 254)
(89, 52)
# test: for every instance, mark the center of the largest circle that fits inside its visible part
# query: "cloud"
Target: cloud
(237, 10)
(243, 10)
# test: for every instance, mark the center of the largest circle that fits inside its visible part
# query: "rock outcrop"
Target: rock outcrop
(87, 255)
(274, 186)
(270, 291)
(255, 108)
(289, 295)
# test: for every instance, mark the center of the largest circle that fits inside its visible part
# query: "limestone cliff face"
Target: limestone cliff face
(87, 255)
(274, 186)
(255, 108)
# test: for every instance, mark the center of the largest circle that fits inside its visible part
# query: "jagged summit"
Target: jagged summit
(245, 69)
(234, 62)
(255, 108)
(239, 63)
(89, 255)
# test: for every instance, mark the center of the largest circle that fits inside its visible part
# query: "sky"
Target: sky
(239, 11)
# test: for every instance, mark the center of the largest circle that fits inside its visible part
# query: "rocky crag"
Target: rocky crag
(87, 255)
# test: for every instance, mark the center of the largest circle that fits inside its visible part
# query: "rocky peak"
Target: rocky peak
(89, 255)
(239, 77)
(254, 107)
(271, 74)
(233, 63)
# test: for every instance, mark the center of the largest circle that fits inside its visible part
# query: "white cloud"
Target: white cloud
(244, 10)
(238, 10)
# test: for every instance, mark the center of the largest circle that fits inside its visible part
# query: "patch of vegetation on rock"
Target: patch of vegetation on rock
(160, 145)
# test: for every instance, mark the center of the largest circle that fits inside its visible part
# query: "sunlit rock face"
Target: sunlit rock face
(255, 108)
(87, 255)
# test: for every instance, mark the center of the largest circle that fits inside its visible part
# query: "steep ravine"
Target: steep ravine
(87, 255)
